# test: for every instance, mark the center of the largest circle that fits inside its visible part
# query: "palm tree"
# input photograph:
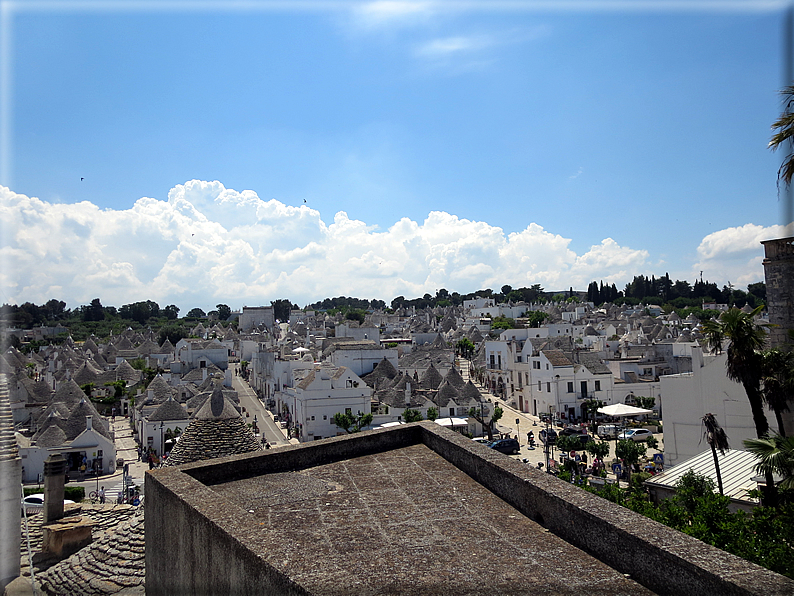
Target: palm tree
(777, 376)
(717, 439)
(744, 358)
(785, 133)
(776, 456)
(712, 329)
(744, 366)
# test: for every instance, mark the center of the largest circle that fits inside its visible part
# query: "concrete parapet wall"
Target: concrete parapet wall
(199, 542)
(661, 558)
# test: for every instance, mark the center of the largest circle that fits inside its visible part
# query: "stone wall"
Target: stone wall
(779, 276)
(197, 543)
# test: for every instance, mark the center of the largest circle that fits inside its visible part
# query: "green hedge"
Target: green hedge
(73, 493)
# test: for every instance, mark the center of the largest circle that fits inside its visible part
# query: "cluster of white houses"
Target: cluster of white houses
(315, 366)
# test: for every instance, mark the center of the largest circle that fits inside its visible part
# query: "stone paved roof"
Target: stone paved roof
(594, 364)
(431, 378)
(85, 374)
(76, 422)
(169, 410)
(217, 407)
(52, 436)
(69, 393)
(471, 392)
(39, 391)
(113, 563)
(160, 388)
(453, 378)
(208, 438)
(557, 358)
(446, 393)
(125, 371)
(382, 372)
(415, 523)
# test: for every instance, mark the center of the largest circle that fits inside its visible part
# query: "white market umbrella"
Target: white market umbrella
(623, 410)
(301, 350)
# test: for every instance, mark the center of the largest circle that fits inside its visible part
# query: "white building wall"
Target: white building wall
(688, 397)
(362, 362)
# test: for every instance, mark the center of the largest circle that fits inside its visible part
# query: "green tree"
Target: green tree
(410, 415)
(744, 359)
(281, 308)
(119, 387)
(536, 317)
(717, 439)
(487, 423)
(88, 388)
(224, 312)
(465, 348)
(93, 312)
(777, 377)
(599, 449)
(432, 413)
(352, 423)
(784, 126)
(171, 312)
(501, 322)
(630, 452)
(196, 313)
(566, 444)
(775, 455)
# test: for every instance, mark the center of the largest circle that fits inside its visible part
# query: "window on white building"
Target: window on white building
(597, 386)
(548, 387)
(570, 386)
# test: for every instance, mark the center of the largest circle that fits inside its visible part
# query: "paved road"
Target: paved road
(264, 419)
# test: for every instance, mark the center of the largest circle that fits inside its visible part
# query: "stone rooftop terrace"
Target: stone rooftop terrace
(406, 521)
(412, 509)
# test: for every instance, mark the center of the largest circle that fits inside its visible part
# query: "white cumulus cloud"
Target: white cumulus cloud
(208, 244)
(735, 254)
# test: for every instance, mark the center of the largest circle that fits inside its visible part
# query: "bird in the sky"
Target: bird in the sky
(81, 179)
(304, 200)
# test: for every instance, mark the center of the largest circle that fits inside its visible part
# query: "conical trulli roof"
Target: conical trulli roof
(431, 378)
(218, 430)
(69, 393)
(453, 378)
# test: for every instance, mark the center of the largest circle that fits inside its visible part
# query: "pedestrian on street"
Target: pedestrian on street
(102, 495)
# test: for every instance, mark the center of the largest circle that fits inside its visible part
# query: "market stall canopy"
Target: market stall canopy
(622, 410)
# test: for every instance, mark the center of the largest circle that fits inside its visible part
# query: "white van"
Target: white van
(609, 431)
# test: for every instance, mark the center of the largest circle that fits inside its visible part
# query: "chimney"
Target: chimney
(203, 374)
(407, 394)
(89, 422)
(54, 476)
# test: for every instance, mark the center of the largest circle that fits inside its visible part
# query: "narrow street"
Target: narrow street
(518, 424)
(254, 407)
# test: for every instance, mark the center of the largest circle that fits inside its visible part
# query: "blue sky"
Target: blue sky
(556, 143)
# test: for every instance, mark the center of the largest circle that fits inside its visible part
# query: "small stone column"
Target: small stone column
(10, 491)
(54, 474)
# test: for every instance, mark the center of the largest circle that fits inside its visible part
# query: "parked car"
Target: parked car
(481, 440)
(548, 435)
(636, 434)
(506, 446)
(35, 503)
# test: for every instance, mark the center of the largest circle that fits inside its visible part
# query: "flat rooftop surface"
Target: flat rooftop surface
(406, 521)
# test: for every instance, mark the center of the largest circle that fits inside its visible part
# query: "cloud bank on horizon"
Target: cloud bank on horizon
(208, 244)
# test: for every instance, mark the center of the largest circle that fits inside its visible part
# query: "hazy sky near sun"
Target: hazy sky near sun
(243, 152)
